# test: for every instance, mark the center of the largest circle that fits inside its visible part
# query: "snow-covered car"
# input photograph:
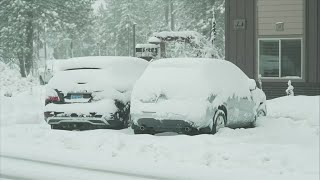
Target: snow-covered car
(194, 95)
(92, 92)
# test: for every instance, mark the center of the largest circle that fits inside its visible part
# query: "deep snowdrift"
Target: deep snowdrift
(297, 108)
(23, 108)
(283, 146)
(11, 81)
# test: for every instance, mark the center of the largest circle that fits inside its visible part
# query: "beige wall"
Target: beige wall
(290, 12)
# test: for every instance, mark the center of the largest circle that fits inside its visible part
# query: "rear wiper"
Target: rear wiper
(80, 68)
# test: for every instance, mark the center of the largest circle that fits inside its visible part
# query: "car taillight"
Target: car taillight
(53, 98)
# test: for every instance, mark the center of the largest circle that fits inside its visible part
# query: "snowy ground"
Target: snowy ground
(285, 145)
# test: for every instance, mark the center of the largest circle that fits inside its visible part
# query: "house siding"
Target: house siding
(318, 56)
(312, 41)
(290, 12)
(277, 89)
(241, 45)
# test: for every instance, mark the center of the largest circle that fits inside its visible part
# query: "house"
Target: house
(277, 39)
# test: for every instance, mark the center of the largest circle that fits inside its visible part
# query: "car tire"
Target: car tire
(260, 113)
(219, 121)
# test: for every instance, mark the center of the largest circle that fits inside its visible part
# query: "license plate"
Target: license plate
(76, 96)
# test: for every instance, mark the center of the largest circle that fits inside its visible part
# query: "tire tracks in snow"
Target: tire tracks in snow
(105, 171)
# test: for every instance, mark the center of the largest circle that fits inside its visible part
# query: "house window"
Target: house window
(280, 58)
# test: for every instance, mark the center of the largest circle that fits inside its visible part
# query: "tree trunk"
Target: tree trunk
(166, 12)
(213, 31)
(29, 43)
(71, 48)
(172, 15)
(21, 64)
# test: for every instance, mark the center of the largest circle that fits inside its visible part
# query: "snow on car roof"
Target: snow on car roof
(101, 62)
(192, 77)
(98, 73)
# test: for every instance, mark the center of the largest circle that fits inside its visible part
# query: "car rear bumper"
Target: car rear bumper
(93, 121)
(152, 125)
(85, 122)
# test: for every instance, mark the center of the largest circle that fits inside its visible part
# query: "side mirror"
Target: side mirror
(252, 84)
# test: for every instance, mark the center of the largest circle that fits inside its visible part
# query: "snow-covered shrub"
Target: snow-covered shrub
(12, 82)
(187, 44)
(8, 94)
(260, 81)
(289, 90)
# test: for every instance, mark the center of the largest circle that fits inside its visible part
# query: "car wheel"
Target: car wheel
(219, 121)
(260, 113)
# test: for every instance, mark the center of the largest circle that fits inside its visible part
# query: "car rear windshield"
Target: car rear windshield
(92, 78)
(174, 82)
(185, 78)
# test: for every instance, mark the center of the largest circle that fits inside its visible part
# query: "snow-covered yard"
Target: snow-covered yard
(285, 145)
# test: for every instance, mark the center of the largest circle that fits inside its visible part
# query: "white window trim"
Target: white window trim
(279, 39)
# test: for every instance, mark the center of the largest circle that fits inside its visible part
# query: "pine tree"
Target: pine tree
(21, 20)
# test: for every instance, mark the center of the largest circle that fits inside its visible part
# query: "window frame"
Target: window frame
(279, 41)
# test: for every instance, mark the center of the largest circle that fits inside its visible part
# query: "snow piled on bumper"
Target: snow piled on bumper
(103, 107)
(194, 112)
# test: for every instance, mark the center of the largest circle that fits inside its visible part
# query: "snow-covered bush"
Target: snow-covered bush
(11, 81)
(187, 44)
(260, 81)
(8, 94)
(289, 90)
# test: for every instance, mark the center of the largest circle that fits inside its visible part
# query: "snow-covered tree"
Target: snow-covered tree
(22, 24)
(205, 17)
(71, 29)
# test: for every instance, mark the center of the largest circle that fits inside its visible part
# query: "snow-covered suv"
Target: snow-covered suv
(92, 92)
(194, 95)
